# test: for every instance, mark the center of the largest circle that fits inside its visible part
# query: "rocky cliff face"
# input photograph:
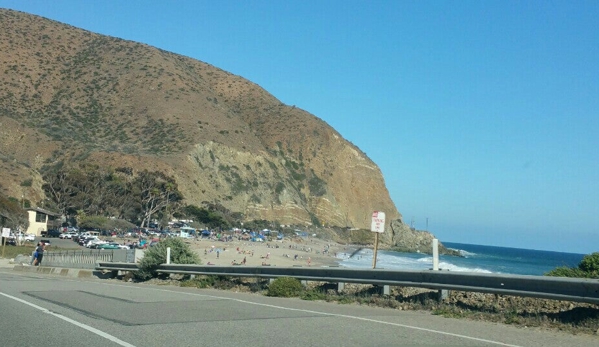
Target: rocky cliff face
(408, 240)
(69, 96)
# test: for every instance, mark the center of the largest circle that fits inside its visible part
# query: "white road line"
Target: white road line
(332, 315)
(306, 311)
(67, 319)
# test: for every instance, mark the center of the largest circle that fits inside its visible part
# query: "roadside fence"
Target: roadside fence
(87, 259)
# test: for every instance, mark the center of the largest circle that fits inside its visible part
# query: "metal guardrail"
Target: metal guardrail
(556, 288)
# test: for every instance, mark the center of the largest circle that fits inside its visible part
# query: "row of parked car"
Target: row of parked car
(94, 242)
(20, 237)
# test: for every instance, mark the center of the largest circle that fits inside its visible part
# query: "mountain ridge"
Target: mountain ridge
(73, 96)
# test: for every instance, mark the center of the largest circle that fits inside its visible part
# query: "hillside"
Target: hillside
(70, 96)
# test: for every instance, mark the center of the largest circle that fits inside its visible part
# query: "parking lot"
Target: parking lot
(58, 243)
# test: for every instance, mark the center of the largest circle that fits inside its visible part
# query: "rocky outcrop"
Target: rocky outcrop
(406, 239)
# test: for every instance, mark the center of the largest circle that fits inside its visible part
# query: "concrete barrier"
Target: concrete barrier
(65, 272)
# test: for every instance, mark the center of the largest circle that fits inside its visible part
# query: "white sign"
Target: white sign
(378, 222)
(5, 232)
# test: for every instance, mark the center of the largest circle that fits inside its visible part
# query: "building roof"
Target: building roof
(41, 210)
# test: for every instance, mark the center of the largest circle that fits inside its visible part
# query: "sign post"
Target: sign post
(377, 226)
(5, 235)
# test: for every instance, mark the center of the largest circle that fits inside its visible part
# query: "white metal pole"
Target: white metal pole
(168, 255)
(435, 254)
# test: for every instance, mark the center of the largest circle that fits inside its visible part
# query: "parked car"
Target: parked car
(111, 245)
(20, 236)
(83, 240)
(68, 235)
(95, 242)
(52, 233)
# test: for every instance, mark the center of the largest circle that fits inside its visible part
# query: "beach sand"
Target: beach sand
(284, 253)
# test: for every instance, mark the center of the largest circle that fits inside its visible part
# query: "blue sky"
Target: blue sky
(482, 115)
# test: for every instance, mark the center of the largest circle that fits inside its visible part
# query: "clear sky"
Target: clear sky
(482, 115)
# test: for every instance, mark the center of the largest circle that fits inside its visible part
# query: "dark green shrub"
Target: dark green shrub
(202, 282)
(27, 183)
(285, 287)
(564, 271)
(590, 263)
(314, 295)
(154, 256)
(587, 268)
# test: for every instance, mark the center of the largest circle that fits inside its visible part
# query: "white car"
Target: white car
(95, 242)
(22, 237)
(68, 235)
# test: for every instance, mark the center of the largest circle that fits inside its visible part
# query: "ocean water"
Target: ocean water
(475, 258)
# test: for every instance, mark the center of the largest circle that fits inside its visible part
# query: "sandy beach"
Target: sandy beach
(285, 253)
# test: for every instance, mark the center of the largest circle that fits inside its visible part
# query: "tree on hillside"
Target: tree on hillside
(57, 187)
(123, 204)
(12, 215)
(212, 219)
(99, 191)
(155, 192)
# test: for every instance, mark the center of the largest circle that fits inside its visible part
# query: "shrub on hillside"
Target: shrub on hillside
(154, 256)
(587, 268)
(285, 287)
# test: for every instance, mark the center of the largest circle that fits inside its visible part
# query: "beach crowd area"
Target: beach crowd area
(285, 253)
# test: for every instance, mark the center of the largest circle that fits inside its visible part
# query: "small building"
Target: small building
(41, 220)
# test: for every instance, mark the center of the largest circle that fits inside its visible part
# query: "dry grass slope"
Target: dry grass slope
(69, 95)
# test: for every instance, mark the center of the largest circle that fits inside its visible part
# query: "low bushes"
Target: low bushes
(285, 287)
(154, 256)
(587, 268)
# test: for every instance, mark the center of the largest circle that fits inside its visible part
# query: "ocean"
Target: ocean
(476, 258)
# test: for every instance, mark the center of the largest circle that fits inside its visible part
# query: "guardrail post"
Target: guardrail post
(340, 287)
(386, 290)
(442, 293)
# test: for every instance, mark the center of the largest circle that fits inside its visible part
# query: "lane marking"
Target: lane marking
(67, 319)
(352, 317)
(301, 310)
(330, 314)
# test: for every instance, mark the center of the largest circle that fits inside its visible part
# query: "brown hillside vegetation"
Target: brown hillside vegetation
(70, 96)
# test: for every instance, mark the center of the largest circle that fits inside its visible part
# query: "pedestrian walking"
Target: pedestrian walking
(39, 250)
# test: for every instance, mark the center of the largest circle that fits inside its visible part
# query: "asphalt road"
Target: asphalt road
(38, 310)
